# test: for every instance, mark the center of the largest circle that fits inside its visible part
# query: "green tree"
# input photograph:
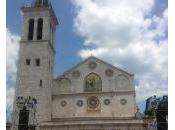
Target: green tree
(161, 115)
(150, 112)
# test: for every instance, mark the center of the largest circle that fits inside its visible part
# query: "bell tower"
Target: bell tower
(36, 59)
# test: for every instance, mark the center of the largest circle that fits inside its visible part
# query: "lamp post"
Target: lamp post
(26, 107)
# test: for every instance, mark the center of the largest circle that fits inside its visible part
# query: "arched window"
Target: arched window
(40, 29)
(92, 83)
(64, 85)
(31, 29)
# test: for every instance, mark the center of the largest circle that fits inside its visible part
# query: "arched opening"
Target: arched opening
(23, 119)
(31, 29)
(92, 83)
(64, 85)
(40, 29)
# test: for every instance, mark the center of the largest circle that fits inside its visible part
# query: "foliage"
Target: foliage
(161, 115)
(150, 112)
(163, 105)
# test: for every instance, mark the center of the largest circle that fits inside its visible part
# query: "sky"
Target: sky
(131, 35)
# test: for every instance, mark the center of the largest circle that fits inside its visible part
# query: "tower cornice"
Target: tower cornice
(25, 9)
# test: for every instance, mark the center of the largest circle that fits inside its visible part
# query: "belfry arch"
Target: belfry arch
(40, 29)
(31, 29)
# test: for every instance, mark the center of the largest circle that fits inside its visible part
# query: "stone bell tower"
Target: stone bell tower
(36, 58)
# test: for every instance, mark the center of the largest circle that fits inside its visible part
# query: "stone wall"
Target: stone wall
(116, 99)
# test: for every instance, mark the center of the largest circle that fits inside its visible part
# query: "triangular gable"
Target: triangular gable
(97, 59)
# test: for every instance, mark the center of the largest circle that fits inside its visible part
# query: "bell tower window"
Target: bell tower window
(27, 61)
(37, 62)
(31, 29)
(40, 29)
(40, 83)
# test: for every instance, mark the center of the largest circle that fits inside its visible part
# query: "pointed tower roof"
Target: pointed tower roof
(40, 3)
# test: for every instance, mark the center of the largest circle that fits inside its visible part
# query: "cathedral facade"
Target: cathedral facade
(93, 95)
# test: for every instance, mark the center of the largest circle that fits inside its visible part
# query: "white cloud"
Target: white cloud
(126, 35)
(9, 101)
(12, 45)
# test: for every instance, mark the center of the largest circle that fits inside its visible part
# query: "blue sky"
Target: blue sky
(129, 34)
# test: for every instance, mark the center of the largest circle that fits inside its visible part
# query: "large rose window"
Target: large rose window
(93, 102)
